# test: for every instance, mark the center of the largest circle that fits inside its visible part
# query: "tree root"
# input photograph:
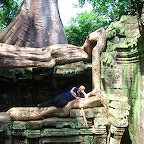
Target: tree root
(35, 113)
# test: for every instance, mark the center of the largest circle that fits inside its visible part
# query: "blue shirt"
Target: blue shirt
(69, 97)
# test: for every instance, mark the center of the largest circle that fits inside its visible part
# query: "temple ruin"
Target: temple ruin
(113, 114)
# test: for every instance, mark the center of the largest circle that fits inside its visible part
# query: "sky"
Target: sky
(67, 10)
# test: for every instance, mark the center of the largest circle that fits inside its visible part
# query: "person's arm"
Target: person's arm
(85, 95)
(73, 93)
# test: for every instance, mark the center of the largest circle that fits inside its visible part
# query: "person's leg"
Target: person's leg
(58, 98)
(46, 103)
(60, 101)
(52, 102)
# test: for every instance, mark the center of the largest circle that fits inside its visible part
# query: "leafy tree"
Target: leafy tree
(111, 9)
(81, 26)
(8, 10)
(104, 12)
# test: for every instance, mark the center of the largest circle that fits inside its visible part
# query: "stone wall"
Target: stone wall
(122, 76)
(72, 129)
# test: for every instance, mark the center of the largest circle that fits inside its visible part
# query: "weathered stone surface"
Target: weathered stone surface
(69, 69)
(4, 118)
(94, 130)
(114, 141)
(19, 125)
(50, 123)
(38, 124)
(59, 132)
(118, 113)
(66, 139)
(75, 113)
(119, 105)
(112, 75)
(100, 139)
(118, 96)
(19, 140)
(5, 123)
(117, 132)
(99, 111)
(32, 133)
(118, 122)
(101, 121)
(64, 122)
(89, 113)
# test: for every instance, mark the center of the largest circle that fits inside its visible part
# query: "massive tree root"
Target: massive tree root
(34, 113)
(94, 45)
(14, 56)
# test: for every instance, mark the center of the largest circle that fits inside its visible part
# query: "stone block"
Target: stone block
(100, 121)
(69, 69)
(19, 140)
(114, 141)
(118, 122)
(99, 111)
(63, 139)
(87, 139)
(94, 130)
(100, 139)
(18, 132)
(59, 132)
(34, 124)
(74, 113)
(82, 139)
(4, 118)
(64, 122)
(118, 113)
(117, 131)
(5, 128)
(118, 96)
(32, 133)
(88, 113)
(19, 125)
(119, 105)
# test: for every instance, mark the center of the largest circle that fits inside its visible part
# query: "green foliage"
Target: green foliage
(112, 9)
(8, 10)
(82, 26)
(104, 12)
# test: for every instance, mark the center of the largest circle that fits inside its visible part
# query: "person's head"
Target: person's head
(81, 89)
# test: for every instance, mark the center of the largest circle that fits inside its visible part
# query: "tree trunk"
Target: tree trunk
(94, 45)
(38, 24)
